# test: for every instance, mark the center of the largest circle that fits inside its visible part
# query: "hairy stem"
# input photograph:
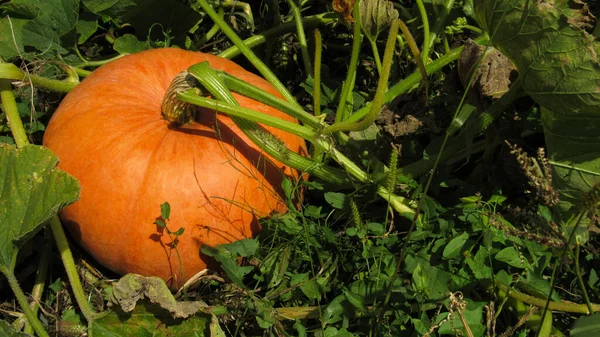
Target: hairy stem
(256, 62)
(251, 42)
(342, 111)
(22, 299)
(9, 105)
(301, 37)
(10, 71)
(381, 89)
(69, 263)
(563, 306)
(317, 74)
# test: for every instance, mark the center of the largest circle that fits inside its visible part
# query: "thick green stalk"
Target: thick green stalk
(317, 74)
(69, 263)
(563, 306)
(97, 63)
(417, 55)
(212, 31)
(22, 299)
(248, 114)
(342, 109)
(376, 56)
(41, 275)
(10, 71)
(209, 79)
(9, 105)
(378, 100)
(301, 37)
(426, 35)
(251, 42)
(409, 83)
(256, 62)
(249, 90)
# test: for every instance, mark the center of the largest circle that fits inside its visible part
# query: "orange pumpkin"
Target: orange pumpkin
(109, 133)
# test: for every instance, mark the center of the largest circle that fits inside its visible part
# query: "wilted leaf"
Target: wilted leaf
(493, 70)
(32, 190)
(375, 16)
(344, 8)
(132, 288)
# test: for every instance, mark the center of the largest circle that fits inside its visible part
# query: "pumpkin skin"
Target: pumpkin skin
(109, 133)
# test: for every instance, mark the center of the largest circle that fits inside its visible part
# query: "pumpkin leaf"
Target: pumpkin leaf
(132, 288)
(32, 190)
(558, 65)
(129, 44)
(146, 320)
(176, 18)
(48, 26)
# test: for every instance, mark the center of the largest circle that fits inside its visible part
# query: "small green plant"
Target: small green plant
(163, 227)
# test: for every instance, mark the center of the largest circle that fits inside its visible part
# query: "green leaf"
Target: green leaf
(334, 311)
(11, 37)
(165, 210)
(129, 44)
(479, 264)
(453, 247)
(227, 255)
(511, 256)
(32, 190)
(558, 65)
(85, 29)
(586, 326)
(112, 8)
(311, 289)
(179, 232)
(48, 30)
(465, 112)
(147, 16)
(335, 199)
(243, 248)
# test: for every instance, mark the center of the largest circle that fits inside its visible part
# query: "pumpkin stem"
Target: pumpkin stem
(174, 110)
